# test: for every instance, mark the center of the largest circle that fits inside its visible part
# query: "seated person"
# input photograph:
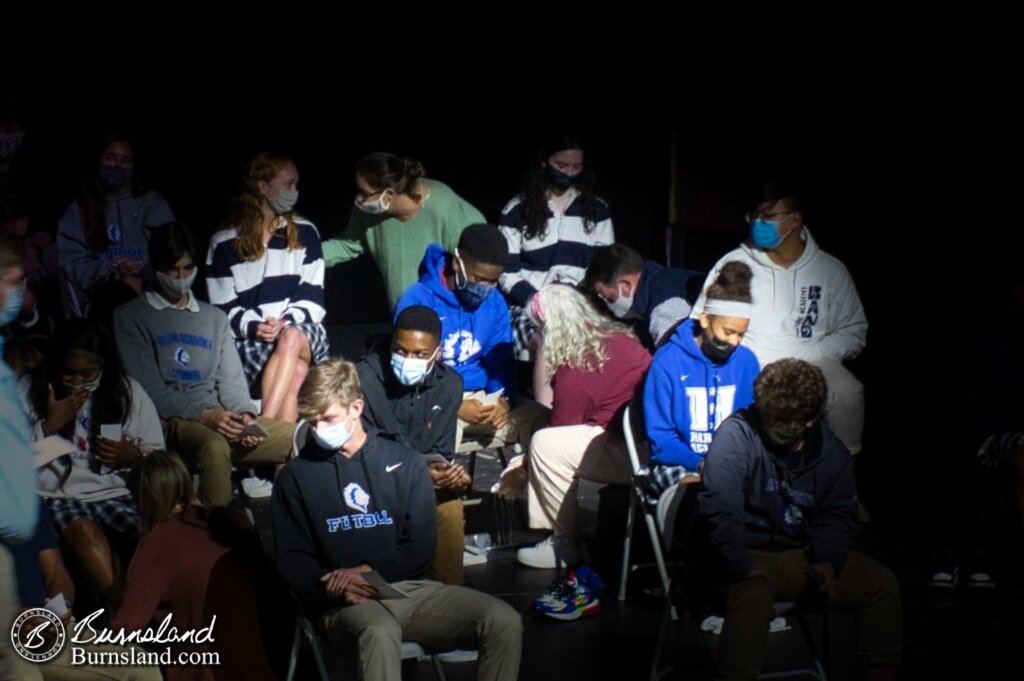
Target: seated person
(595, 365)
(182, 352)
(196, 563)
(79, 393)
(780, 501)
(476, 335)
(633, 288)
(414, 399)
(42, 577)
(697, 379)
(352, 502)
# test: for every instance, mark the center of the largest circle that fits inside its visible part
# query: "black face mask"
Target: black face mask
(716, 350)
(782, 439)
(559, 180)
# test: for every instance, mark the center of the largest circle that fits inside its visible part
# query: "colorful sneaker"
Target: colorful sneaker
(586, 576)
(567, 599)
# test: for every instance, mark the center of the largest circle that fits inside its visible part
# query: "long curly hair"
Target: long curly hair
(92, 195)
(575, 333)
(246, 211)
(534, 195)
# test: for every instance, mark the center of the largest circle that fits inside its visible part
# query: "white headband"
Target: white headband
(728, 308)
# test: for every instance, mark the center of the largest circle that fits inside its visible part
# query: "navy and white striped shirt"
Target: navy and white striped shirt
(561, 254)
(285, 283)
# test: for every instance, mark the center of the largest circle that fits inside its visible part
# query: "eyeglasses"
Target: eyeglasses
(756, 215)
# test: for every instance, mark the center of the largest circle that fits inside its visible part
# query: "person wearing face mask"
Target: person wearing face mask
(779, 502)
(266, 272)
(697, 379)
(352, 501)
(397, 213)
(102, 237)
(476, 339)
(80, 389)
(182, 352)
(805, 304)
(553, 228)
(19, 508)
(633, 288)
(412, 397)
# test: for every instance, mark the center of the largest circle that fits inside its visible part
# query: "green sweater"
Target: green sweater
(397, 246)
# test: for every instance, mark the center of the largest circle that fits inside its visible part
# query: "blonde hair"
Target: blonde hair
(164, 484)
(247, 207)
(574, 331)
(333, 381)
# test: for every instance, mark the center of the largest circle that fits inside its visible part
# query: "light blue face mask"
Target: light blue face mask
(765, 233)
(410, 370)
(12, 303)
(333, 437)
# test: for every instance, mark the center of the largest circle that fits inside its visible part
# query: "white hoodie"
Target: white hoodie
(809, 310)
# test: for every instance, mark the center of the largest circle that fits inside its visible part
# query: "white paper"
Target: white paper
(385, 590)
(49, 448)
(58, 605)
(434, 458)
(491, 398)
(111, 431)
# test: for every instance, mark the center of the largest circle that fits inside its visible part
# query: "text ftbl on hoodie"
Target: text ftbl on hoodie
(687, 396)
(331, 511)
(809, 310)
(476, 343)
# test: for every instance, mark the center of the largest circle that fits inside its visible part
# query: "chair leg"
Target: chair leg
(666, 616)
(438, 668)
(627, 548)
(294, 658)
(659, 558)
(321, 666)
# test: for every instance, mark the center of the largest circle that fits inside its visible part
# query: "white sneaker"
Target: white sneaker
(256, 488)
(551, 553)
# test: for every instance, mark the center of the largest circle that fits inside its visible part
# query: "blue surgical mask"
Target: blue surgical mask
(410, 370)
(333, 437)
(12, 303)
(765, 233)
(472, 294)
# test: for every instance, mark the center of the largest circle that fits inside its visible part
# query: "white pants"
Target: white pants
(558, 458)
(845, 404)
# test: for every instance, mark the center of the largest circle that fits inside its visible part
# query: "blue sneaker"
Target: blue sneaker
(589, 578)
(567, 599)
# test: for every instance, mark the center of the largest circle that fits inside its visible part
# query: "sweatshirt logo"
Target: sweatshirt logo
(182, 357)
(459, 347)
(356, 497)
(810, 302)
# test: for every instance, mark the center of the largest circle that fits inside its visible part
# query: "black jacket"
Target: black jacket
(423, 416)
(331, 511)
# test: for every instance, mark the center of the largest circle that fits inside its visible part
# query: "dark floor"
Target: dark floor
(948, 633)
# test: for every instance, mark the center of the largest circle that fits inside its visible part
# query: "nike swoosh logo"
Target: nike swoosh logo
(388, 469)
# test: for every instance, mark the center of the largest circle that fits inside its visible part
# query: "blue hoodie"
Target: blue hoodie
(476, 343)
(687, 397)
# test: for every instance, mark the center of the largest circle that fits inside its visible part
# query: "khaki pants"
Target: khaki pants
(209, 453)
(844, 405)
(447, 567)
(435, 615)
(558, 458)
(864, 585)
(522, 422)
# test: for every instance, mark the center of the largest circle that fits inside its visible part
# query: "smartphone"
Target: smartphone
(256, 429)
(111, 431)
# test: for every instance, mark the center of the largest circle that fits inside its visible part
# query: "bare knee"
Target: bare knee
(291, 342)
(83, 534)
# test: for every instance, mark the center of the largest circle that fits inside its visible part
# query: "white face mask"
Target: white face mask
(375, 207)
(622, 305)
(333, 437)
(284, 201)
(177, 288)
(410, 370)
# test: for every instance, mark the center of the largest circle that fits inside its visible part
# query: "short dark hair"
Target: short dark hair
(776, 190)
(419, 318)
(485, 243)
(168, 243)
(790, 391)
(611, 262)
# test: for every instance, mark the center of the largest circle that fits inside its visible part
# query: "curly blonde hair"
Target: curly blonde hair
(247, 207)
(574, 331)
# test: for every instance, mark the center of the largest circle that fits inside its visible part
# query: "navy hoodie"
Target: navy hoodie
(753, 499)
(687, 396)
(476, 343)
(330, 511)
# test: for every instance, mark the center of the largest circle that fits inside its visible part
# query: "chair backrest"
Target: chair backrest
(676, 514)
(634, 429)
